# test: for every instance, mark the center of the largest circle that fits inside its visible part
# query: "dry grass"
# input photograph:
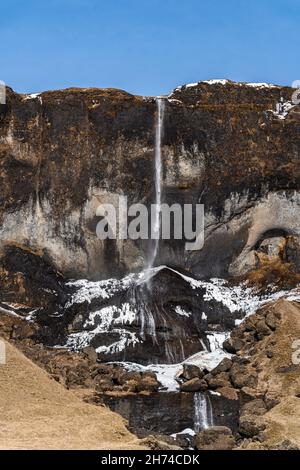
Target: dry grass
(274, 272)
(38, 413)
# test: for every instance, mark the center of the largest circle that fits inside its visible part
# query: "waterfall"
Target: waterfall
(155, 229)
(203, 413)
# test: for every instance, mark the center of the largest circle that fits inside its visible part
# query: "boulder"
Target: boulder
(131, 386)
(90, 353)
(243, 377)
(262, 329)
(271, 321)
(104, 385)
(148, 384)
(247, 394)
(249, 426)
(272, 246)
(155, 443)
(233, 344)
(224, 366)
(194, 385)
(216, 381)
(271, 399)
(190, 371)
(255, 407)
(228, 392)
(215, 438)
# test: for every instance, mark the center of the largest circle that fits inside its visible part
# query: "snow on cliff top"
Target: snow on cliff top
(224, 81)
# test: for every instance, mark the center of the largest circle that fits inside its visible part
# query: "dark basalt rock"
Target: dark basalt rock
(65, 152)
(150, 414)
(194, 385)
(165, 334)
(191, 371)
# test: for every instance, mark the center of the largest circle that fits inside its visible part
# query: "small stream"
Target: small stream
(203, 411)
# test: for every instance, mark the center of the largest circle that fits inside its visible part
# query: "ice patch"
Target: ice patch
(105, 289)
(106, 320)
(187, 431)
(182, 312)
(216, 340)
(282, 109)
(260, 85)
(165, 373)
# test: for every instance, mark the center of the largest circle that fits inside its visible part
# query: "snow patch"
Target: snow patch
(33, 96)
(187, 431)
(182, 312)
(191, 85)
(216, 81)
(105, 289)
(282, 109)
(106, 320)
(260, 85)
(216, 340)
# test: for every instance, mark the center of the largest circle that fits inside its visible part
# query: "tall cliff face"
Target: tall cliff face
(65, 152)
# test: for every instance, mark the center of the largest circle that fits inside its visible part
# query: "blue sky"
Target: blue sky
(147, 47)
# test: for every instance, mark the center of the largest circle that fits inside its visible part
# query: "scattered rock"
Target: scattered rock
(233, 345)
(90, 353)
(243, 377)
(191, 371)
(228, 392)
(194, 385)
(224, 366)
(158, 444)
(249, 426)
(215, 438)
(218, 381)
(271, 399)
(23, 330)
(286, 445)
(248, 394)
(271, 321)
(262, 329)
(255, 407)
(148, 384)
(104, 385)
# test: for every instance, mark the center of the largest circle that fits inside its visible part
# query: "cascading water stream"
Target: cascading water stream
(203, 413)
(155, 228)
